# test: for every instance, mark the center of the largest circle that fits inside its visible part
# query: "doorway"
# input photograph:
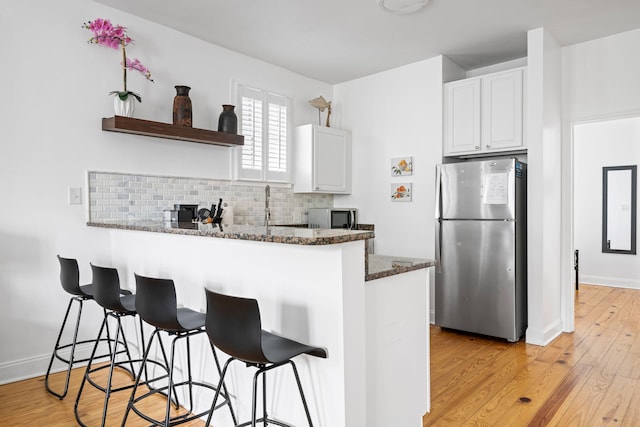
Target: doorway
(598, 146)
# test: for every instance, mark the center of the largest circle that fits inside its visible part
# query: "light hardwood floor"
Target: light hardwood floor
(587, 378)
(26, 403)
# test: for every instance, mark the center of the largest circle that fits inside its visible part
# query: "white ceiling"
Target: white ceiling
(338, 40)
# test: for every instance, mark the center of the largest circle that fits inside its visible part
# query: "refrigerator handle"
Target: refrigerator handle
(438, 221)
(438, 245)
(437, 216)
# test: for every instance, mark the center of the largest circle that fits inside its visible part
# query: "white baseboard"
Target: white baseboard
(614, 282)
(542, 337)
(18, 370)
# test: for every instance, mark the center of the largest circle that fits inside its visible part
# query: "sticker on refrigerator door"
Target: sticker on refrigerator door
(518, 170)
(495, 189)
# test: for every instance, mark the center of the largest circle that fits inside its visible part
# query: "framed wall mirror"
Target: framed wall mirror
(619, 189)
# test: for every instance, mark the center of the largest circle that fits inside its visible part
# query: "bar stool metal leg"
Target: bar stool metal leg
(58, 347)
(120, 339)
(170, 393)
(222, 384)
(71, 360)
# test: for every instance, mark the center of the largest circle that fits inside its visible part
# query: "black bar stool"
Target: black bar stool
(108, 294)
(70, 280)
(156, 304)
(234, 326)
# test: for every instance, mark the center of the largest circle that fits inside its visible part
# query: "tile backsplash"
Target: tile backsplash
(127, 196)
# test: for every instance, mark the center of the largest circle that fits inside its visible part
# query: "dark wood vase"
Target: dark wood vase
(228, 121)
(182, 107)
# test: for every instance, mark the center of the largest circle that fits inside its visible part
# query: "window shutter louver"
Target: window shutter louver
(277, 125)
(264, 125)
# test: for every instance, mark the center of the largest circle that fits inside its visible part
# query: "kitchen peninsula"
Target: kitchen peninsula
(315, 286)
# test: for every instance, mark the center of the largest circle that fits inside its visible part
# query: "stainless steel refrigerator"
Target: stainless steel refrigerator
(481, 244)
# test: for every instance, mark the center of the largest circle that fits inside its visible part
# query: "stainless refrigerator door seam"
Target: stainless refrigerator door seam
(438, 222)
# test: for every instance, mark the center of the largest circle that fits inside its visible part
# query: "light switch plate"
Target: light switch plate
(75, 195)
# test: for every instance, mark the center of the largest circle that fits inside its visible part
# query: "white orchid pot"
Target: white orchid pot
(124, 108)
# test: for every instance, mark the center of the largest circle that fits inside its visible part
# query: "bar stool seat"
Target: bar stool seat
(156, 304)
(233, 325)
(70, 281)
(189, 319)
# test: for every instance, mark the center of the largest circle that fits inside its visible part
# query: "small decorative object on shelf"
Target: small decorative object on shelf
(182, 107)
(115, 37)
(228, 121)
(320, 103)
(124, 107)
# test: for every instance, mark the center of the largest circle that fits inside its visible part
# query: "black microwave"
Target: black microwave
(346, 218)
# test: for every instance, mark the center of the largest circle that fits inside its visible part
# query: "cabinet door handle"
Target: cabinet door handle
(477, 147)
(488, 146)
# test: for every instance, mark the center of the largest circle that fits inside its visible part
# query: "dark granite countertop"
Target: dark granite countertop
(277, 234)
(379, 266)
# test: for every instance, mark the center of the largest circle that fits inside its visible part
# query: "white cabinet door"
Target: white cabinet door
(462, 117)
(484, 114)
(502, 111)
(332, 159)
(323, 160)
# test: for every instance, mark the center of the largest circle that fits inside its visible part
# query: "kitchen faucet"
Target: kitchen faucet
(267, 211)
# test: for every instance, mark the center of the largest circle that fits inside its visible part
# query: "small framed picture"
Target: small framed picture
(401, 192)
(401, 166)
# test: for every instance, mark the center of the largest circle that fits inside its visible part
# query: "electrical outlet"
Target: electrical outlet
(75, 195)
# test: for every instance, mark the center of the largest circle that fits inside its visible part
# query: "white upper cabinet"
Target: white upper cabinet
(484, 114)
(502, 117)
(462, 116)
(323, 160)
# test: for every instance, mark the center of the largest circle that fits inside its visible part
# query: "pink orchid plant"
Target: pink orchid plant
(115, 37)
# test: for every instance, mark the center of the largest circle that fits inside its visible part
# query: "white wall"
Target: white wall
(600, 144)
(55, 89)
(393, 114)
(543, 132)
(600, 77)
(600, 82)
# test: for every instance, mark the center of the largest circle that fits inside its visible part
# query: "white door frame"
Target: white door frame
(567, 293)
(568, 244)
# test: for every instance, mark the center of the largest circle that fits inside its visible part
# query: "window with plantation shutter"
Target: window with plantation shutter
(263, 121)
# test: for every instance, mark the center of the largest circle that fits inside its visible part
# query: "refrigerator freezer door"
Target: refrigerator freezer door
(476, 288)
(478, 190)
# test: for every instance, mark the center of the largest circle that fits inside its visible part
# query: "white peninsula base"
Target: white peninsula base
(376, 333)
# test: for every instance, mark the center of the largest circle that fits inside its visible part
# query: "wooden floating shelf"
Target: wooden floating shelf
(169, 131)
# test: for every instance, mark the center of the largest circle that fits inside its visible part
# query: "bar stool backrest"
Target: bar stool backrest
(70, 276)
(156, 302)
(234, 326)
(106, 288)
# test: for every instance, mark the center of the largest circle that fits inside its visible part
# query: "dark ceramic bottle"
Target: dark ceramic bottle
(228, 121)
(182, 115)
